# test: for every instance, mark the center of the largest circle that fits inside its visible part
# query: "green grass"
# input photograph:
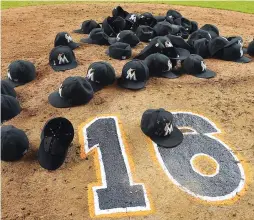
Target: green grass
(241, 6)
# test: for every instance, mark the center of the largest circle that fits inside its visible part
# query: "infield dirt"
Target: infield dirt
(30, 192)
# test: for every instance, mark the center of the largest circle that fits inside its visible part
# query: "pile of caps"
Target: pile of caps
(175, 46)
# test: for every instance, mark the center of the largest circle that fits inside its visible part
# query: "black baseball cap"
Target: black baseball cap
(125, 36)
(9, 107)
(56, 137)
(87, 26)
(160, 18)
(119, 50)
(163, 28)
(73, 91)
(250, 49)
(212, 29)
(153, 47)
(195, 65)
(178, 41)
(216, 46)
(194, 26)
(7, 88)
(100, 74)
(62, 58)
(96, 36)
(14, 143)
(184, 22)
(158, 125)
(64, 39)
(198, 35)
(119, 12)
(160, 66)
(113, 25)
(134, 76)
(132, 22)
(147, 19)
(145, 33)
(20, 72)
(172, 15)
(201, 47)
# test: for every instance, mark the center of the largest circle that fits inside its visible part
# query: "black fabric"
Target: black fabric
(147, 19)
(212, 29)
(216, 45)
(87, 26)
(201, 47)
(172, 15)
(185, 23)
(119, 50)
(119, 12)
(96, 36)
(160, 18)
(145, 33)
(14, 143)
(178, 41)
(199, 34)
(113, 25)
(100, 74)
(160, 66)
(195, 66)
(7, 88)
(74, 91)
(132, 22)
(154, 124)
(134, 76)
(9, 107)
(163, 28)
(64, 39)
(250, 49)
(194, 26)
(20, 72)
(62, 58)
(126, 36)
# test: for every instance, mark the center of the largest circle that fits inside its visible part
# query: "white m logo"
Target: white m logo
(133, 18)
(68, 37)
(60, 90)
(131, 75)
(168, 129)
(168, 44)
(203, 66)
(62, 59)
(90, 74)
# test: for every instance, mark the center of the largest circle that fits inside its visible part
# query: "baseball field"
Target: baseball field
(209, 176)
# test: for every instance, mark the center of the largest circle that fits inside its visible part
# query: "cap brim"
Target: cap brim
(87, 41)
(131, 85)
(48, 161)
(73, 45)
(243, 59)
(69, 66)
(170, 75)
(57, 101)
(79, 31)
(206, 75)
(96, 87)
(112, 40)
(174, 139)
(14, 84)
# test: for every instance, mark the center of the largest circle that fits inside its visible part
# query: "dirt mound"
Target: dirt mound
(30, 192)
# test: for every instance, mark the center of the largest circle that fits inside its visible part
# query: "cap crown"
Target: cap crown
(172, 15)
(128, 37)
(157, 122)
(61, 55)
(21, 71)
(145, 33)
(7, 88)
(194, 64)
(120, 50)
(88, 26)
(250, 49)
(147, 19)
(9, 107)
(63, 38)
(102, 73)
(198, 35)
(158, 63)
(233, 52)
(98, 36)
(212, 29)
(76, 89)
(135, 70)
(201, 47)
(14, 143)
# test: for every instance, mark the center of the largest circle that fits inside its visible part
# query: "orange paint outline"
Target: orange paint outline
(98, 172)
(196, 199)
